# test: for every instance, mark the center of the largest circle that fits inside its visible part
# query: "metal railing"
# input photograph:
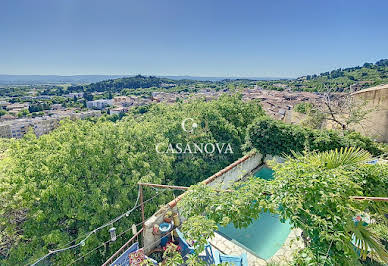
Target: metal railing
(123, 248)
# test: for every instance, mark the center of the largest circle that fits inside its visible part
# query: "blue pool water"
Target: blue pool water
(264, 236)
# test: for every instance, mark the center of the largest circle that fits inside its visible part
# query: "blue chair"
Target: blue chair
(185, 247)
(213, 256)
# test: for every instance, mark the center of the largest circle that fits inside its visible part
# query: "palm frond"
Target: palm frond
(344, 157)
(367, 243)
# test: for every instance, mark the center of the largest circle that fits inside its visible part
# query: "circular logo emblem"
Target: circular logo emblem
(188, 125)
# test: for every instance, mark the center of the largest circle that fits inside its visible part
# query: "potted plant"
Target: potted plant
(168, 217)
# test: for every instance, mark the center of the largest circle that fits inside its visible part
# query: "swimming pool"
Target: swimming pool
(264, 236)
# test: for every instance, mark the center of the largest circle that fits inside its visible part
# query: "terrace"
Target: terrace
(271, 240)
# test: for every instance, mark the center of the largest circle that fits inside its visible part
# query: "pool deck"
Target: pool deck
(282, 256)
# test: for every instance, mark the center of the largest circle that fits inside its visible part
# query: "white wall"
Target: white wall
(237, 172)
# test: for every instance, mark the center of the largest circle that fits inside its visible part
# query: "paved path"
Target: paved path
(282, 256)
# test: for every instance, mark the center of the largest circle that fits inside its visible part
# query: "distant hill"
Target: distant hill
(341, 79)
(53, 79)
(145, 82)
(119, 84)
(220, 78)
(355, 78)
(86, 79)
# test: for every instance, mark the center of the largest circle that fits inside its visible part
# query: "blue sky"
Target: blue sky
(198, 37)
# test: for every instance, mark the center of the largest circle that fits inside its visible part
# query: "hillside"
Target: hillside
(358, 77)
(52, 79)
(135, 82)
(342, 79)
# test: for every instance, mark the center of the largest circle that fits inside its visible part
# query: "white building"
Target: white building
(99, 104)
(41, 125)
(118, 110)
(76, 94)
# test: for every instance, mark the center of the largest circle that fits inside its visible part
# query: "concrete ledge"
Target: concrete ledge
(282, 257)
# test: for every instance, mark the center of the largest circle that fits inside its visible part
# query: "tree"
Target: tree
(274, 137)
(88, 96)
(85, 173)
(343, 110)
(313, 191)
(79, 176)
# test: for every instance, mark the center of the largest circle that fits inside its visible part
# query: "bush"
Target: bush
(274, 137)
(303, 108)
(85, 173)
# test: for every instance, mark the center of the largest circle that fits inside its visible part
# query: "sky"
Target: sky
(211, 38)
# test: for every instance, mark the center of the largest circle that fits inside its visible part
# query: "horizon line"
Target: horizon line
(157, 75)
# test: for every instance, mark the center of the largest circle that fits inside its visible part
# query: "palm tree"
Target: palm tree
(365, 241)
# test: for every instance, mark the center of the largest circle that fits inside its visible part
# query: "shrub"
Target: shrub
(274, 137)
(303, 108)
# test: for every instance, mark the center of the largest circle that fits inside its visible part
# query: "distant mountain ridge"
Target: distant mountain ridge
(53, 79)
(341, 79)
(82, 79)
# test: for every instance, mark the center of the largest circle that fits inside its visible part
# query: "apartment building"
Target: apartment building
(118, 110)
(99, 104)
(76, 94)
(14, 129)
(120, 99)
(17, 107)
(44, 125)
(41, 125)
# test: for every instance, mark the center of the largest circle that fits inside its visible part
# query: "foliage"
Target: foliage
(38, 107)
(117, 85)
(311, 117)
(14, 91)
(193, 228)
(221, 121)
(23, 113)
(343, 111)
(341, 79)
(313, 191)
(334, 159)
(275, 137)
(56, 188)
(72, 181)
(318, 187)
(306, 257)
(303, 108)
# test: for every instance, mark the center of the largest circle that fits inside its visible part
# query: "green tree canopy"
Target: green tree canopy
(56, 188)
(312, 191)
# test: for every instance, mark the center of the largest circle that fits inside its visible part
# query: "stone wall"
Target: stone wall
(376, 122)
(223, 178)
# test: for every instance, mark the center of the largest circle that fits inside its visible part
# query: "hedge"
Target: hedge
(274, 137)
